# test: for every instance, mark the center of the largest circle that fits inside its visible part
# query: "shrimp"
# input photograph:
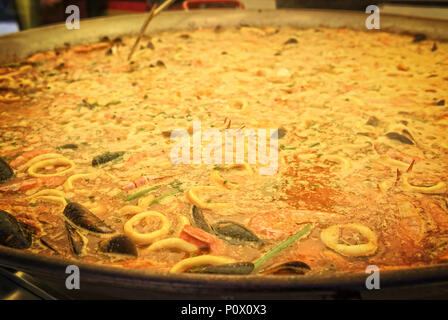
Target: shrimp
(141, 181)
(279, 224)
(136, 158)
(29, 184)
(202, 239)
(403, 157)
(405, 232)
(437, 213)
(25, 157)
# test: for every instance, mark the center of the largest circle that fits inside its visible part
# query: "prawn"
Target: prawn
(279, 224)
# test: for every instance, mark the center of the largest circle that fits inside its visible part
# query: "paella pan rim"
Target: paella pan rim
(20, 45)
(54, 268)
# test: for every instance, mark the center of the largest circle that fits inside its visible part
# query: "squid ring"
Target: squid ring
(39, 158)
(437, 188)
(175, 243)
(240, 104)
(48, 192)
(346, 164)
(68, 185)
(194, 198)
(216, 177)
(189, 263)
(146, 238)
(51, 162)
(130, 210)
(330, 237)
(54, 199)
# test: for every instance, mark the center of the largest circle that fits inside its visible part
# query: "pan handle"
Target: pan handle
(186, 4)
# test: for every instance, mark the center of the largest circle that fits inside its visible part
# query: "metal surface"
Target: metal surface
(20, 45)
(113, 282)
(15, 285)
(101, 281)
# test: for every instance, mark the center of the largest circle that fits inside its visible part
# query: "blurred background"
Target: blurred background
(18, 15)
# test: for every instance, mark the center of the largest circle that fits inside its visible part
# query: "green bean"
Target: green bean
(141, 193)
(281, 247)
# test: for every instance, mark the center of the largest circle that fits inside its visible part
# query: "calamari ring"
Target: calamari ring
(346, 164)
(39, 158)
(9, 98)
(182, 222)
(240, 104)
(385, 185)
(54, 199)
(130, 210)
(173, 243)
(218, 179)
(386, 159)
(42, 164)
(145, 202)
(330, 237)
(68, 185)
(192, 195)
(48, 192)
(189, 263)
(435, 189)
(146, 238)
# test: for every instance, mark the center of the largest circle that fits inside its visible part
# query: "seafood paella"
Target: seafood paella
(359, 120)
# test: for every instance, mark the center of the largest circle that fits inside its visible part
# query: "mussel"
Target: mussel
(418, 37)
(13, 234)
(373, 121)
(281, 133)
(119, 244)
(235, 233)
(239, 268)
(77, 241)
(71, 146)
(288, 268)
(48, 243)
(229, 231)
(5, 171)
(106, 157)
(198, 220)
(82, 217)
(291, 41)
(399, 137)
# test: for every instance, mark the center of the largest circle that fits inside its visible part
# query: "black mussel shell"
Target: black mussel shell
(373, 121)
(77, 241)
(71, 146)
(399, 137)
(120, 244)
(281, 133)
(12, 232)
(5, 171)
(418, 37)
(235, 233)
(199, 221)
(85, 219)
(230, 269)
(48, 243)
(106, 157)
(288, 268)
(291, 41)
